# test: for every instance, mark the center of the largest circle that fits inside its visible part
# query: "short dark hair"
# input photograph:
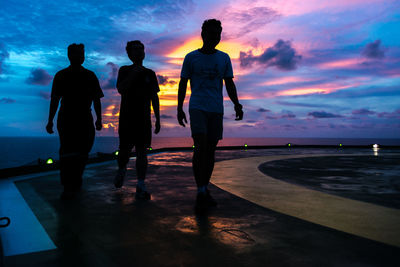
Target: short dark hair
(211, 24)
(76, 48)
(132, 44)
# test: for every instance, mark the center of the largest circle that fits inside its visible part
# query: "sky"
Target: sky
(311, 68)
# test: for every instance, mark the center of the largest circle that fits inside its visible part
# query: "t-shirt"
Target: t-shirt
(206, 72)
(77, 87)
(136, 100)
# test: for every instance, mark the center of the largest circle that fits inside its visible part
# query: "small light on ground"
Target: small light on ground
(193, 146)
(375, 146)
(245, 145)
(116, 153)
(150, 148)
(289, 144)
(340, 144)
(49, 161)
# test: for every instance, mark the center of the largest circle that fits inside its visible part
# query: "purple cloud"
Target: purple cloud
(263, 110)
(282, 55)
(246, 21)
(373, 50)
(166, 116)
(308, 105)
(271, 117)
(163, 80)
(7, 100)
(3, 56)
(323, 115)
(288, 116)
(45, 95)
(111, 81)
(390, 115)
(39, 76)
(363, 111)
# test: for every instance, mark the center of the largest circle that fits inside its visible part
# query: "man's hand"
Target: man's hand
(49, 127)
(99, 125)
(158, 127)
(239, 112)
(181, 117)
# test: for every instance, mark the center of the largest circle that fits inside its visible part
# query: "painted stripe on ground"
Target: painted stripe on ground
(242, 178)
(25, 234)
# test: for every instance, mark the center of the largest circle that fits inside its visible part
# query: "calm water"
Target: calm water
(17, 151)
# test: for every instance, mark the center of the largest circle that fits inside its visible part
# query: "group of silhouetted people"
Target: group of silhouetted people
(78, 88)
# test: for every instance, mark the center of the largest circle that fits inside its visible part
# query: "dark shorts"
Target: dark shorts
(208, 123)
(130, 137)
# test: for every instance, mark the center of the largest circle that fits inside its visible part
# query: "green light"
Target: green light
(49, 161)
(245, 145)
(193, 146)
(340, 145)
(116, 153)
(150, 148)
(289, 144)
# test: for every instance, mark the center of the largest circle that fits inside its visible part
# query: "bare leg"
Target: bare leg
(141, 162)
(210, 159)
(200, 159)
(123, 157)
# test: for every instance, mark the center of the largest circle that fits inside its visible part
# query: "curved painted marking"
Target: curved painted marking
(242, 178)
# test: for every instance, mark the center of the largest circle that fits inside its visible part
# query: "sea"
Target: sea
(20, 151)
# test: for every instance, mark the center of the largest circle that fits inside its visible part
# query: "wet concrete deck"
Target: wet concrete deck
(108, 227)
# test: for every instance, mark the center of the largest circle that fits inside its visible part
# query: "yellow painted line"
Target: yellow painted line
(241, 177)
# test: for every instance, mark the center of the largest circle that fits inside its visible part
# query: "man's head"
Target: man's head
(135, 50)
(76, 54)
(211, 32)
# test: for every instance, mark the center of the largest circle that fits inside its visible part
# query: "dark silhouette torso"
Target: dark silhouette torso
(135, 112)
(77, 87)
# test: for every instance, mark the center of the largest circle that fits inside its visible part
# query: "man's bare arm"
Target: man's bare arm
(97, 109)
(232, 93)
(55, 100)
(155, 102)
(181, 98)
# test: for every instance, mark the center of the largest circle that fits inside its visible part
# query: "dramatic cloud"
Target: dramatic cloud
(45, 95)
(323, 115)
(39, 76)
(373, 50)
(6, 100)
(111, 81)
(282, 55)
(163, 80)
(3, 55)
(246, 21)
(263, 110)
(363, 111)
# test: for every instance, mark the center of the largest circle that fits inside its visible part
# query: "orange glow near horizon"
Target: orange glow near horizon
(231, 48)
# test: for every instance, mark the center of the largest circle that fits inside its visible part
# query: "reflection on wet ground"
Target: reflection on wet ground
(366, 178)
(108, 227)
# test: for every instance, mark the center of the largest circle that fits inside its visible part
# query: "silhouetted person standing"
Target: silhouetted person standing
(138, 87)
(77, 88)
(206, 68)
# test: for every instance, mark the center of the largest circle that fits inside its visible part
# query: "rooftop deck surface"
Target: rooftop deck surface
(105, 226)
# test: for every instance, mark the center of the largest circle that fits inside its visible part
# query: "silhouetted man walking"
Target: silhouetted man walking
(77, 88)
(138, 87)
(206, 68)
